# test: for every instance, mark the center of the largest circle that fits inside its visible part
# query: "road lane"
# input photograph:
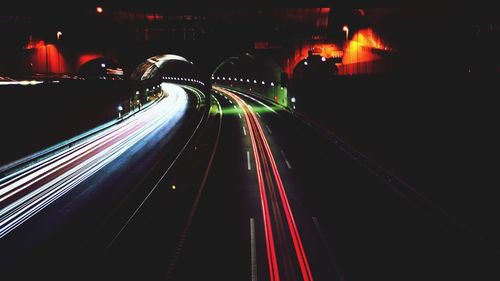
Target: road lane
(368, 229)
(279, 201)
(93, 191)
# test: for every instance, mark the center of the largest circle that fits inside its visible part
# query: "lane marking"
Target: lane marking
(235, 107)
(269, 130)
(268, 231)
(239, 114)
(244, 131)
(258, 114)
(248, 160)
(253, 250)
(286, 160)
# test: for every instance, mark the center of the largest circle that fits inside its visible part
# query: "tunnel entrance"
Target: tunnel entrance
(101, 68)
(255, 74)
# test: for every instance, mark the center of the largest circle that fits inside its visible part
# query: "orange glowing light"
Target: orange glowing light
(358, 55)
(99, 9)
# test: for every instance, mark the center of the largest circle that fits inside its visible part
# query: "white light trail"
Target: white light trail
(29, 191)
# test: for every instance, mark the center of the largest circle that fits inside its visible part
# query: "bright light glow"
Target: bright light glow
(293, 99)
(272, 84)
(160, 60)
(23, 82)
(137, 92)
(99, 9)
(263, 83)
(305, 62)
(346, 29)
(255, 81)
(241, 79)
(58, 35)
(323, 59)
(173, 186)
(31, 189)
(103, 65)
(120, 108)
(248, 80)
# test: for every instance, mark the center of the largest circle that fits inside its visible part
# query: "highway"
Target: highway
(282, 202)
(249, 193)
(65, 207)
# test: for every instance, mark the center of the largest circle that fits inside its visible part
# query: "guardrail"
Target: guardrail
(13, 167)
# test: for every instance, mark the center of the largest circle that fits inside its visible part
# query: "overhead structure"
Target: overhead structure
(150, 68)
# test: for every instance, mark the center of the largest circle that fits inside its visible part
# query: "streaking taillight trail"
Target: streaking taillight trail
(262, 152)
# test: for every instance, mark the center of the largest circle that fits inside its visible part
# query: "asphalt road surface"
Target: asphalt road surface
(244, 191)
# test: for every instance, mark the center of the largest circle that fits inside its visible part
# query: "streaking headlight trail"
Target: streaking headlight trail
(25, 193)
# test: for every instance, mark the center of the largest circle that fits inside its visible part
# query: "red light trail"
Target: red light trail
(266, 165)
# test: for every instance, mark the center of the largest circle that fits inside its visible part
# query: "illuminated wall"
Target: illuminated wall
(45, 58)
(51, 58)
(363, 54)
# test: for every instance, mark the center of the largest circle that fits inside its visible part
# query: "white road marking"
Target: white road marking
(244, 131)
(286, 160)
(248, 160)
(253, 250)
(239, 114)
(269, 130)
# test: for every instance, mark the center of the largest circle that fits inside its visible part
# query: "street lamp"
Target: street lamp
(58, 35)
(120, 108)
(346, 30)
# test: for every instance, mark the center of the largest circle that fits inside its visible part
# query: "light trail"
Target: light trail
(263, 153)
(27, 192)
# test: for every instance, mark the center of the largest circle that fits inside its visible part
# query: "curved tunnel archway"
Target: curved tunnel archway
(149, 74)
(315, 68)
(255, 74)
(169, 67)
